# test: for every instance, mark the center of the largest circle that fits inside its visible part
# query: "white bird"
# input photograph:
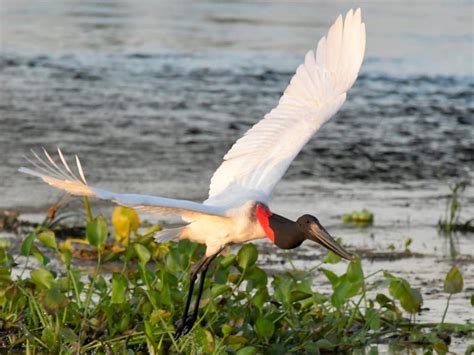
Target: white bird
(236, 210)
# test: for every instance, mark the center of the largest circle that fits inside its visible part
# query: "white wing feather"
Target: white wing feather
(65, 180)
(258, 160)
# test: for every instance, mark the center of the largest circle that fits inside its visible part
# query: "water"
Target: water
(151, 95)
(153, 91)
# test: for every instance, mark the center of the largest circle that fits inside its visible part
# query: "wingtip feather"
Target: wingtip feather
(81, 172)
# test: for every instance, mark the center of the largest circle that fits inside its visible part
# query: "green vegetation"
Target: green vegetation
(362, 218)
(134, 293)
(451, 222)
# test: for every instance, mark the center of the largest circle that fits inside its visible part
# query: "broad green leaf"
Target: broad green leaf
(149, 330)
(236, 341)
(398, 287)
(411, 301)
(53, 299)
(152, 230)
(204, 339)
(48, 239)
(5, 276)
(143, 253)
(382, 300)
(247, 256)
(331, 276)
(297, 295)
(324, 344)
(260, 297)
(375, 320)
(227, 329)
(221, 275)
(4, 256)
(27, 244)
(124, 323)
(343, 291)
(331, 258)
(227, 261)
(173, 261)
(119, 287)
(218, 290)
(453, 282)
(96, 231)
(158, 314)
(66, 257)
(68, 336)
(256, 278)
(125, 220)
(441, 347)
(388, 275)
(283, 285)
(101, 284)
(48, 336)
(43, 259)
(42, 278)
(354, 272)
(264, 327)
(248, 350)
(5, 244)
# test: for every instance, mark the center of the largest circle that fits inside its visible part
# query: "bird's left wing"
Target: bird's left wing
(258, 160)
(61, 176)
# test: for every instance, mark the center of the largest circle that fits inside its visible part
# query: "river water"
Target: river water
(151, 95)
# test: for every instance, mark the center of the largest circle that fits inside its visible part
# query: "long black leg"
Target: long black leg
(201, 285)
(186, 323)
(182, 322)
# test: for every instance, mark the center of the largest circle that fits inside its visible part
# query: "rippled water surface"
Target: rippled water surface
(151, 91)
(152, 94)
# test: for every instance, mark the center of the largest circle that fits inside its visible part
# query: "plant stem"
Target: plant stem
(89, 295)
(88, 209)
(446, 309)
(76, 290)
(91, 287)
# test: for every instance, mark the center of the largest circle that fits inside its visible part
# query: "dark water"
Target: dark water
(148, 92)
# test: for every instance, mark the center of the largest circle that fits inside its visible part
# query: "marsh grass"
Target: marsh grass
(134, 307)
(451, 222)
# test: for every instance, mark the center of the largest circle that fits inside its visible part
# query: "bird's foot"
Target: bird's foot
(184, 326)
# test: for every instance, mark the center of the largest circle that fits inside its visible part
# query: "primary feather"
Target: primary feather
(258, 160)
(64, 179)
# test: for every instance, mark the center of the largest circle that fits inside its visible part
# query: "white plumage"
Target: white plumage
(258, 160)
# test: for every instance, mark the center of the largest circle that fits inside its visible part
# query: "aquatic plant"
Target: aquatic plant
(134, 294)
(362, 218)
(451, 222)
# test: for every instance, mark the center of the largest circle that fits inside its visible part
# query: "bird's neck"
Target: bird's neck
(284, 233)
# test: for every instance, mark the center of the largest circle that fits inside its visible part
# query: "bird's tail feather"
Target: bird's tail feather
(169, 234)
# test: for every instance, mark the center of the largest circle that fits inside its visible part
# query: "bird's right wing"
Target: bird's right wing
(258, 160)
(61, 176)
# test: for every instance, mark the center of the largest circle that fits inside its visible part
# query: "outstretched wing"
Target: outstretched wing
(258, 160)
(61, 176)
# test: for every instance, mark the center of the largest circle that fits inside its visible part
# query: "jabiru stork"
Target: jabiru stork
(237, 209)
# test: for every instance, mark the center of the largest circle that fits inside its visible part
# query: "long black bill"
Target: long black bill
(320, 235)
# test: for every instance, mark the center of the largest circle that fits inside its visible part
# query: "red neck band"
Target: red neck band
(263, 214)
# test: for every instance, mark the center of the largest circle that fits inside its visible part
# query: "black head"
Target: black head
(314, 231)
